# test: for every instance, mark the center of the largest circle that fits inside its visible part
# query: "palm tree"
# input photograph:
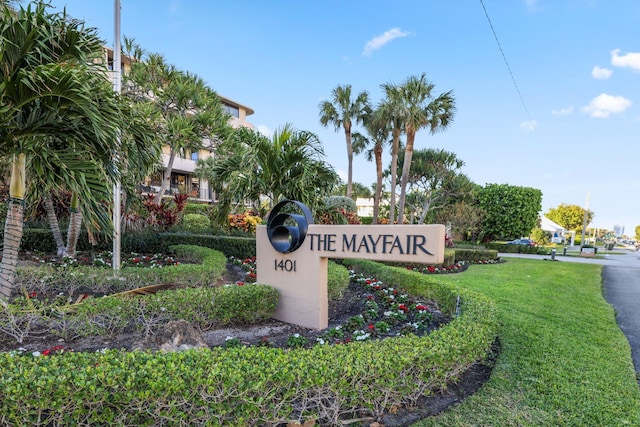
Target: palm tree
(52, 87)
(421, 109)
(343, 112)
(187, 110)
(379, 132)
(250, 166)
(390, 111)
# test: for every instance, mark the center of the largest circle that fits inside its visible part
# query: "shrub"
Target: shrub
(463, 254)
(340, 202)
(197, 208)
(244, 305)
(195, 223)
(337, 280)
(237, 386)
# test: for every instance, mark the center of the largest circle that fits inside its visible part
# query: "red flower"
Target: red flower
(32, 294)
(239, 283)
(370, 297)
(371, 326)
(421, 307)
(135, 260)
(431, 269)
(403, 308)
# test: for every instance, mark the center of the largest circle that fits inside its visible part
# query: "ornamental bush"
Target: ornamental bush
(253, 385)
(195, 223)
(337, 280)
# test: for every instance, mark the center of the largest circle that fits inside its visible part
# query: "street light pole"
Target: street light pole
(116, 187)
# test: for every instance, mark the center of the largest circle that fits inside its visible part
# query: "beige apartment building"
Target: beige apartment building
(182, 178)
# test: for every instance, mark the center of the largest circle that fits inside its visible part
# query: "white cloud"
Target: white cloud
(601, 73)
(630, 60)
(603, 105)
(563, 111)
(377, 42)
(264, 130)
(529, 126)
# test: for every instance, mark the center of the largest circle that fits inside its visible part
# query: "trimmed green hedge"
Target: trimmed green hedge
(41, 240)
(254, 385)
(518, 249)
(475, 254)
(337, 280)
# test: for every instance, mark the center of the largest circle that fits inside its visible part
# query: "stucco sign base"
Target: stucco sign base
(301, 276)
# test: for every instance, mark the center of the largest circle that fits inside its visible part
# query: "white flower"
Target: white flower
(320, 341)
(361, 337)
(296, 335)
(36, 354)
(228, 338)
(387, 313)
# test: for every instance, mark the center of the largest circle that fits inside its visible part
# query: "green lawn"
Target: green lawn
(564, 361)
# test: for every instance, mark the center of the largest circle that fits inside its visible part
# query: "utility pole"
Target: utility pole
(116, 186)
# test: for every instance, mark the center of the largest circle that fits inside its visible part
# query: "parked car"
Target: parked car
(525, 242)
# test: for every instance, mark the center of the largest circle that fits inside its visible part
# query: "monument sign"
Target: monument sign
(292, 255)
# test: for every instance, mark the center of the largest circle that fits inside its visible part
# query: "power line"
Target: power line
(515, 83)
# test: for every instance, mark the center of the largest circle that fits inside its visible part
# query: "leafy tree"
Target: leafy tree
(464, 218)
(510, 211)
(637, 233)
(54, 89)
(343, 112)
(248, 166)
(188, 113)
(571, 217)
(357, 189)
(435, 178)
(540, 236)
(421, 109)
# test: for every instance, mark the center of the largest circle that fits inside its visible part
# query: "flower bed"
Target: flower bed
(256, 385)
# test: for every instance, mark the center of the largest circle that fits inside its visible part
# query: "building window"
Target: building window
(194, 156)
(233, 111)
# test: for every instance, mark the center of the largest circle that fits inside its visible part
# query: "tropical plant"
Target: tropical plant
(379, 131)
(391, 111)
(435, 180)
(57, 111)
(421, 109)
(343, 112)
(249, 166)
(188, 113)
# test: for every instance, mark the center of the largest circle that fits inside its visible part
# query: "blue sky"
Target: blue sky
(562, 116)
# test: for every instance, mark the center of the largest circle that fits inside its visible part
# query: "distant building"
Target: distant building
(558, 233)
(618, 230)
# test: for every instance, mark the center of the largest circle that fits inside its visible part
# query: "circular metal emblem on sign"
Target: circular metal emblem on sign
(286, 231)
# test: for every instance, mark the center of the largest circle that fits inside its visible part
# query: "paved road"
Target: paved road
(621, 289)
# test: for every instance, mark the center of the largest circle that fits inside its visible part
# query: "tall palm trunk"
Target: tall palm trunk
(347, 133)
(75, 222)
(406, 168)
(13, 227)
(54, 226)
(394, 174)
(167, 177)
(377, 152)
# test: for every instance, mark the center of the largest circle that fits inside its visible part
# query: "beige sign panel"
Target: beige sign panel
(300, 276)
